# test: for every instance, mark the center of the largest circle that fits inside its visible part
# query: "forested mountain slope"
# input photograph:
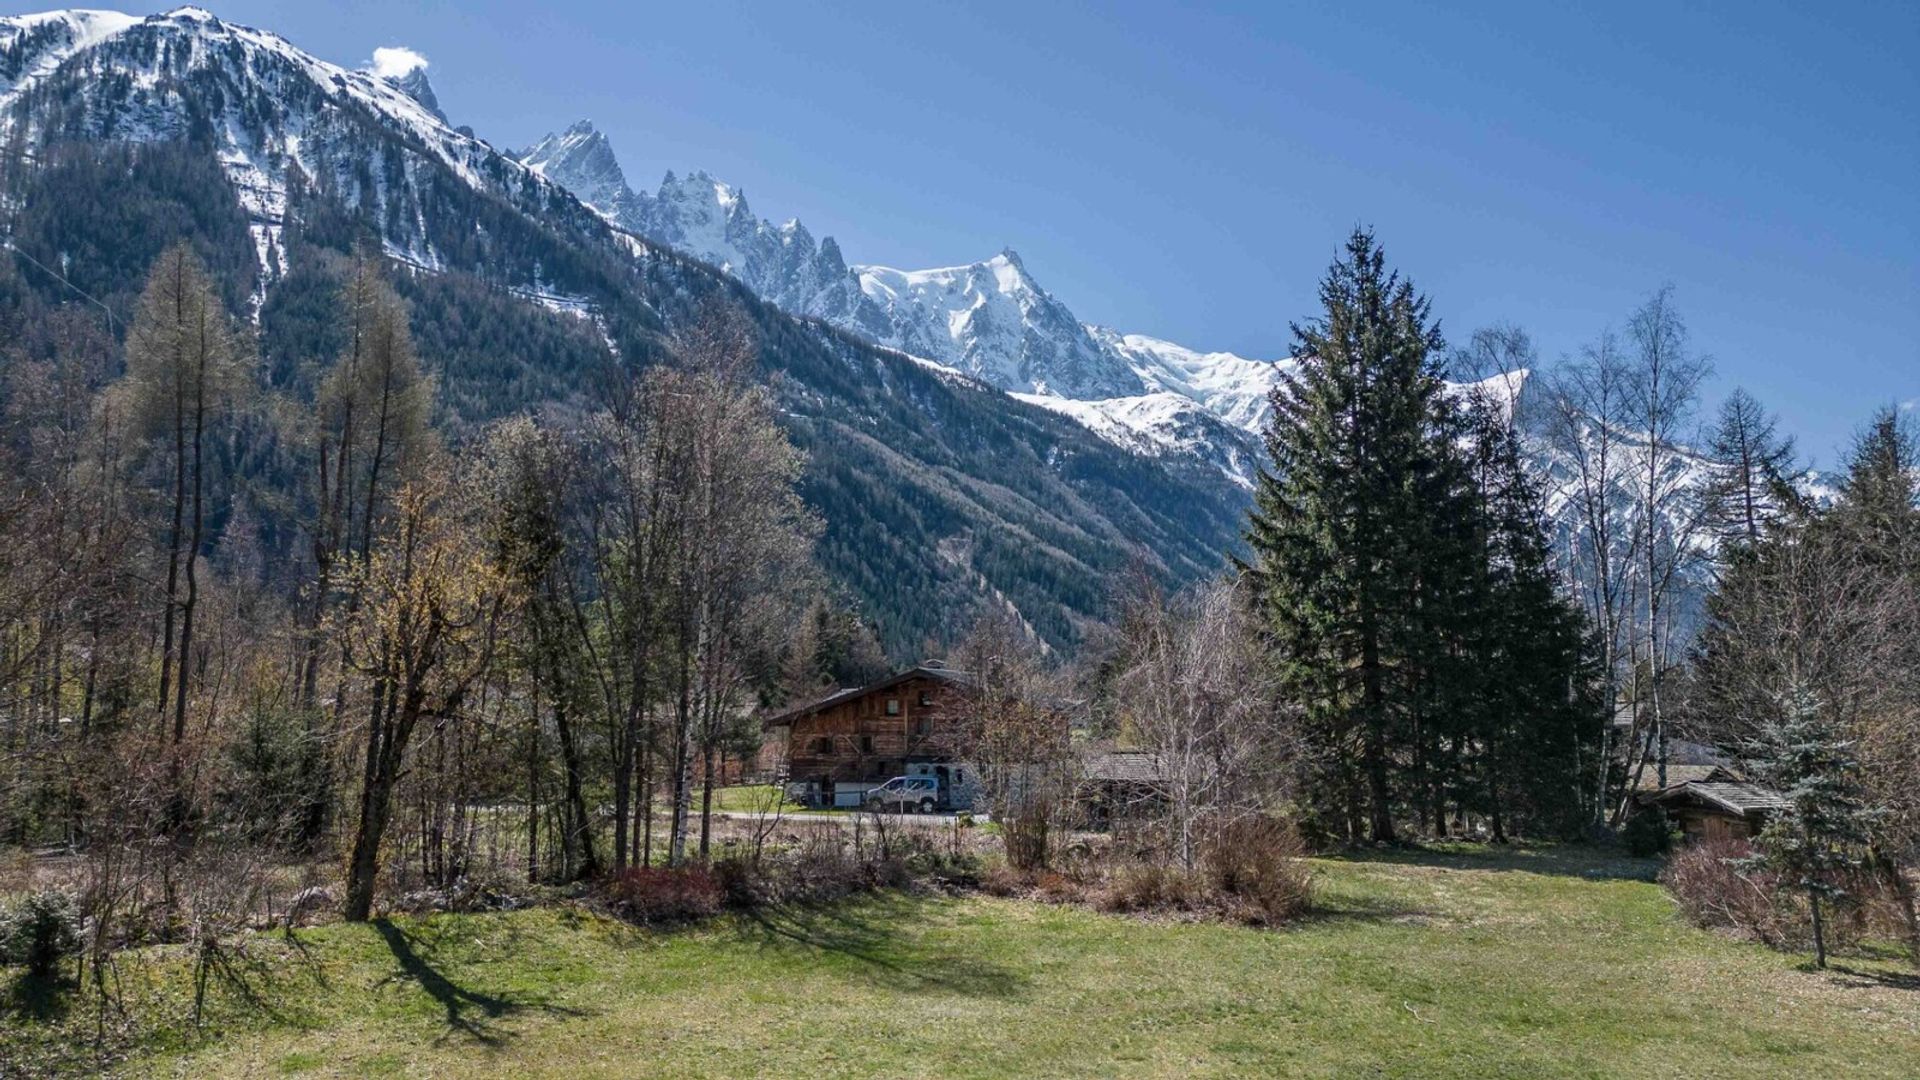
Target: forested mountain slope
(938, 494)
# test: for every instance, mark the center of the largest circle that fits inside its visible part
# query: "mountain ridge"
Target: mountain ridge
(276, 163)
(989, 320)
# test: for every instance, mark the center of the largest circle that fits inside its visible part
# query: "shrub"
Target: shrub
(1026, 836)
(1002, 880)
(1147, 886)
(1715, 891)
(1649, 832)
(39, 930)
(666, 895)
(1258, 860)
(742, 881)
(1718, 889)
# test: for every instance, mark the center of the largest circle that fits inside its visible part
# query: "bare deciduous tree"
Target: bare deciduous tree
(1197, 691)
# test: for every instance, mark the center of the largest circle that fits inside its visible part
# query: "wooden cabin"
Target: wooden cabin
(856, 738)
(1712, 802)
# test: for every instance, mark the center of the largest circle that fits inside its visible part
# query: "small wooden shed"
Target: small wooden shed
(1713, 802)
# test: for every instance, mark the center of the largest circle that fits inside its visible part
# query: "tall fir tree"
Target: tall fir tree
(1342, 527)
(1536, 711)
(1880, 501)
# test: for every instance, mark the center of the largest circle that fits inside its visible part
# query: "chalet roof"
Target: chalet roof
(1126, 766)
(1740, 798)
(853, 693)
(1722, 791)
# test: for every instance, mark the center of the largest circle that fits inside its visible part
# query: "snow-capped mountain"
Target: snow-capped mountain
(278, 166)
(582, 156)
(989, 320)
(277, 115)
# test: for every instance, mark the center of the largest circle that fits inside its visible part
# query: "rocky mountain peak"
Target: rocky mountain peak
(581, 159)
(414, 84)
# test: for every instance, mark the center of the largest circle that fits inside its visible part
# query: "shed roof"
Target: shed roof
(1740, 798)
(1127, 766)
(1723, 792)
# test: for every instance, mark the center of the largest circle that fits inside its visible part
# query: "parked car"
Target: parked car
(906, 794)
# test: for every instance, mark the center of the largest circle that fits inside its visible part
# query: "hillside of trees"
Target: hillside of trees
(936, 494)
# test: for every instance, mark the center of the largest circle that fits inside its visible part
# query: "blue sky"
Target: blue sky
(1188, 173)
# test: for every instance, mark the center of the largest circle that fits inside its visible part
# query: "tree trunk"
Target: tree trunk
(579, 827)
(706, 801)
(1819, 930)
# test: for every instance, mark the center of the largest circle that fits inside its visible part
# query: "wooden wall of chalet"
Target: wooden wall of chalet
(860, 740)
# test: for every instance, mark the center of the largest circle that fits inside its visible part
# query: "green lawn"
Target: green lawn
(1555, 963)
(749, 799)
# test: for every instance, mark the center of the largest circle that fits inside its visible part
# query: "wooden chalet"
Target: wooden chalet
(1711, 802)
(856, 738)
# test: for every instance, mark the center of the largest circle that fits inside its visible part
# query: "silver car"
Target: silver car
(905, 794)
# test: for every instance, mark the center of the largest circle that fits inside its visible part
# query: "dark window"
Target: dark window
(823, 745)
(926, 698)
(922, 725)
(866, 744)
(893, 706)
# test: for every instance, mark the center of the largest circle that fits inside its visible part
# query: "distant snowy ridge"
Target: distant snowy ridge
(129, 76)
(988, 320)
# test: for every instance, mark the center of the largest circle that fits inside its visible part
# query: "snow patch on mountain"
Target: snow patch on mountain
(277, 109)
(34, 46)
(1163, 423)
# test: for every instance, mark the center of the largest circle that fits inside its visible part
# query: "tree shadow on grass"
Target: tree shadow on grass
(1362, 911)
(1558, 860)
(38, 999)
(867, 932)
(472, 1013)
(1843, 975)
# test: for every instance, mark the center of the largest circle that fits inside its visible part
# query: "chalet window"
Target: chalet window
(893, 706)
(866, 744)
(922, 725)
(926, 698)
(823, 745)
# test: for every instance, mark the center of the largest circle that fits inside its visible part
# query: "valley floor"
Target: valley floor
(1557, 962)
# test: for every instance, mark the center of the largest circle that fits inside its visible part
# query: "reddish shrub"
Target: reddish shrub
(1714, 890)
(1150, 887)
(664, 895)
(1259, 861)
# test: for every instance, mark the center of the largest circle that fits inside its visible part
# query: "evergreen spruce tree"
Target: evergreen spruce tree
(1822, 835)
(1538, 708)
(1340, 528)
(1880, 501)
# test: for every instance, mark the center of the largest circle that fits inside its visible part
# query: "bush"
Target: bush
(1002, 880)
(1258, 860)
(1026, 836)
(1649, 832)
(40, 930)
(1147, 886)
(1718, 891)
(1714, 891)
(666, 895)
